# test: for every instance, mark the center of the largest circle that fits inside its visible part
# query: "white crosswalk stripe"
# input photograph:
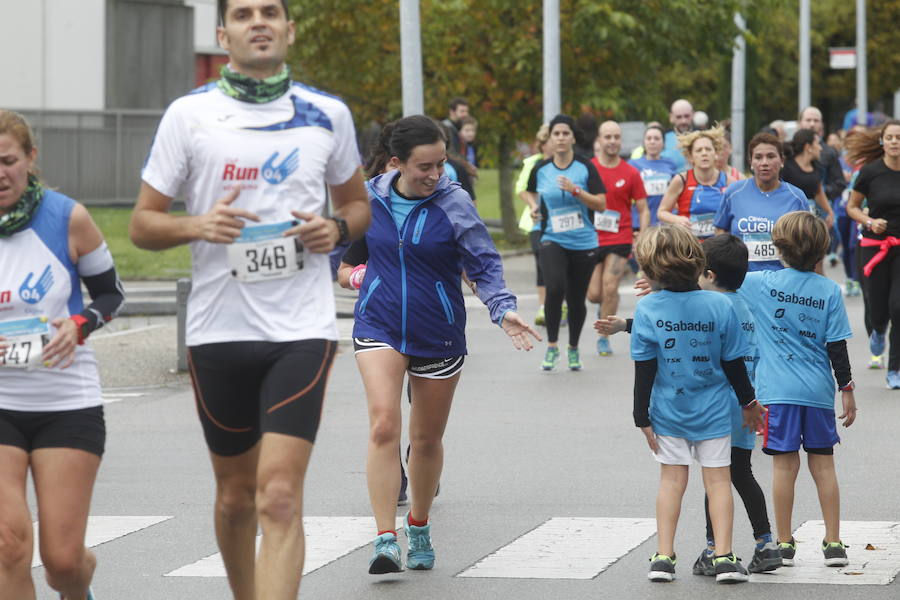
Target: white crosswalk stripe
(327, 539)
(874, 553)
(565, 548)
(104, 529)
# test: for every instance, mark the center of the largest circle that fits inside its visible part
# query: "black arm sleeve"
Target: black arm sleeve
(357, 253)
(736, 372)
(107, 299)
(594, 183)
(840, 362)
(629, 323)
(644, 375)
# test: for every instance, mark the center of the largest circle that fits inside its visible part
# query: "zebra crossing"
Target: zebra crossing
(559, 548)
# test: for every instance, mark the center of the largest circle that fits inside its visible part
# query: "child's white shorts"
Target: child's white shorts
(679, 451)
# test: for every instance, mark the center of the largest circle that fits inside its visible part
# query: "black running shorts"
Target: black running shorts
(420, 366)
(246, 389)
(82, 429)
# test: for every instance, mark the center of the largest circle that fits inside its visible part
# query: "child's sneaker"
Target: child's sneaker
(421, 554)
(729, 569)
(662, 568)
(835, 554)
(703, 565)
(788, 550)
(765, 559)
(551, 358)
(387, 555)
(574, 360)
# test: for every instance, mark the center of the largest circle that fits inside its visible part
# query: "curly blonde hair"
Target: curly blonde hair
(714, 134)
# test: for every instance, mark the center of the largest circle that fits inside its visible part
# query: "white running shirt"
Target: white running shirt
(282, 154)
(39, 280)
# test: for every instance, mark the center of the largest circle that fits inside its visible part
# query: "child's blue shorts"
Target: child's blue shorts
(789, 426)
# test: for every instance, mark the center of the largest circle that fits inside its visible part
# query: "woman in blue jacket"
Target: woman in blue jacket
(411, 318)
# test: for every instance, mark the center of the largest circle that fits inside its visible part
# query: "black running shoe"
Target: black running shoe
(788, 550)
(662, 568)
(835, 554)
(765, 559)
(729, 569)
(703, 565)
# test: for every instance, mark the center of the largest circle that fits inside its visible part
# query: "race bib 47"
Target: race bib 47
(25, 340)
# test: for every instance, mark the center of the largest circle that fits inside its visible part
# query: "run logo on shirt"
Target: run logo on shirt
(32, 293)
(5, 296)
(272, 171)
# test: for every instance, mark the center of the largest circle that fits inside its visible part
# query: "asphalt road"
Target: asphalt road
(522, 447)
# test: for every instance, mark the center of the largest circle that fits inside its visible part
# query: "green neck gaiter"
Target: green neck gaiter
(247, 89)
(22, 211)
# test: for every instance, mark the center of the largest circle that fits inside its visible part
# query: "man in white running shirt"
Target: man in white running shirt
(252, 155)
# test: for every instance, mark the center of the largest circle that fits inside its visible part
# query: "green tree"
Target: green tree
(620, 58)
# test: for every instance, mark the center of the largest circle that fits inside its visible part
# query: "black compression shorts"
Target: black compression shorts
(420, 366)
(82, 429)
(246, 389)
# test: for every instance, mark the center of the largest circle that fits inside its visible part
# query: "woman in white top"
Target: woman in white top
(51, 413)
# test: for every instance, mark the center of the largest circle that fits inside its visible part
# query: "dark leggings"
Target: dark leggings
(881, 290)
(535, 238)
(846, 228)
(566, 274)
(748, 489)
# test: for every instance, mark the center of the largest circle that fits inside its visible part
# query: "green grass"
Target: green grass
(487, 192)
(132, 262)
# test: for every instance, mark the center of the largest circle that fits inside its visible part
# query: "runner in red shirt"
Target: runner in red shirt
(614, 228)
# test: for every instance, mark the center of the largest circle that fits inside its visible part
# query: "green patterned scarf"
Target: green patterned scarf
(247, 89)
(20, 214)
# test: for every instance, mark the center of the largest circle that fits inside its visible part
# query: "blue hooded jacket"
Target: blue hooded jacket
(411, 296)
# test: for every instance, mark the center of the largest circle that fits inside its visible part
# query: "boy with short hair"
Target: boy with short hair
(688, 351)
(803, 327)
(726, 267)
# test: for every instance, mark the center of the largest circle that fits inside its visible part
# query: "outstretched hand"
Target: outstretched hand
(518, 330)
(610, 325)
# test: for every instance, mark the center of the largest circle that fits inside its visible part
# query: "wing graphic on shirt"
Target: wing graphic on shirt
(275, 174)
(32, 294)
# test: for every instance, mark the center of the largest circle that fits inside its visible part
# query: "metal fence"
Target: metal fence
(94, 156)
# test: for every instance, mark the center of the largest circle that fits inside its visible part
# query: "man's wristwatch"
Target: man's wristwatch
(849, 387)
(343, 229)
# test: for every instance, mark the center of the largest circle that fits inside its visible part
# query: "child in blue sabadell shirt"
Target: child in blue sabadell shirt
(802, 330)
(689, 351)
(726, 267)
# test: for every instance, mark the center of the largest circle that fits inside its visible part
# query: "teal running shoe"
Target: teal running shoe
(387, 555)
(550, 359)
(420, 556)
(574, 360)
(603, 347)
(876, 343)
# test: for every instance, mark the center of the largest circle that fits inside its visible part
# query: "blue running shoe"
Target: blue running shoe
(876, 343)
(893, 380)
(421, 554)
(387, 555)
(603, 347)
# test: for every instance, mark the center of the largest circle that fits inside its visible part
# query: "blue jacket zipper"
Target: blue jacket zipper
(375, 284)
